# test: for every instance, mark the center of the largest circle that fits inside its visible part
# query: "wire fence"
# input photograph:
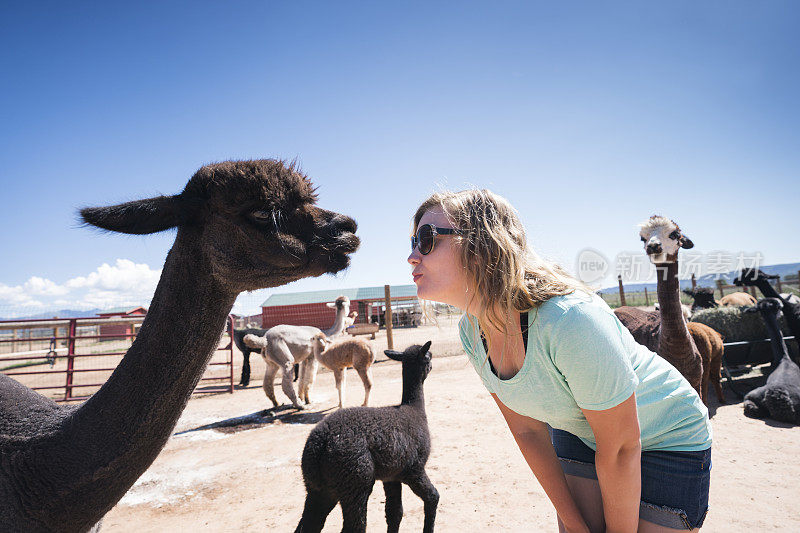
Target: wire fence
(70, 359)
(644, 298)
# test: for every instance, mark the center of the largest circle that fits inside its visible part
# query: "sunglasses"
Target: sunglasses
(426, 236)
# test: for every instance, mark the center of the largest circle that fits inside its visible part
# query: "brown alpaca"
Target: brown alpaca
(241, 226)
(340, 356)
(709, 343)
(665, 331)
(738, 299)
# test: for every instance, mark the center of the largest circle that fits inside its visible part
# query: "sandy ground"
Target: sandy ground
(244, 474)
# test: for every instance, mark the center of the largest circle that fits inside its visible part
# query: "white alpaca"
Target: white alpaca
(685, 309)
(339, 356)
(283, 346)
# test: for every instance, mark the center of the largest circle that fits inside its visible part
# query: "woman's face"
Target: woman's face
(439, 275)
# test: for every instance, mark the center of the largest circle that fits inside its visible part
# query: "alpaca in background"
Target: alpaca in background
(779, 399)
(665, 331)
(340, 356)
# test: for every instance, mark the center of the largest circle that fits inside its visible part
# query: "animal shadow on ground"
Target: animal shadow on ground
(283, 414)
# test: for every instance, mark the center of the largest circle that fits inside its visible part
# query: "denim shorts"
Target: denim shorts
(674, 484)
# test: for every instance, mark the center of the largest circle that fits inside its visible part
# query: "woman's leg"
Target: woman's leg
(586, 493)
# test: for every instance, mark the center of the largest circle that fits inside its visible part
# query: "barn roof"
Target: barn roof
(121, 310)
(361, 293)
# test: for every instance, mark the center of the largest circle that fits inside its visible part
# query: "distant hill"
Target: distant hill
(61, 313)
(709, 280)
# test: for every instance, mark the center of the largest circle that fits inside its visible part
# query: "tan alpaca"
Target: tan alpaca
(738, 299)
(709, 344)
(356, 353)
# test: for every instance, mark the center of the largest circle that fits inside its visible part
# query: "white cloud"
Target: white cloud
(124, 276)
(44, 287)
(121, 284)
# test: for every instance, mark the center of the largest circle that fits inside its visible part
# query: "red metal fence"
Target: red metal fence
(81, 359)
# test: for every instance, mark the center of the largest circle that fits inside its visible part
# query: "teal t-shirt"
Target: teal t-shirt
(580, 355)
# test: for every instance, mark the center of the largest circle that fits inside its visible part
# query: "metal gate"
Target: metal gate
(70, 359)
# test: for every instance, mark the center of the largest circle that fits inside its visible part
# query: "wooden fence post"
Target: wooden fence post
(388, 317)
(646, 299)
(778, 283)
(694, 282)
(621, 291)
(73, 329)
(720, 283)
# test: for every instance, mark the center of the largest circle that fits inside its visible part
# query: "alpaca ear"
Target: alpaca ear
(140, 217)
(686, 242)
(394, 354)
(425, 348)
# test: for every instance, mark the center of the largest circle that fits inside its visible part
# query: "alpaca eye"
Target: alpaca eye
(674, 235)
(263, 216)
(643, 239)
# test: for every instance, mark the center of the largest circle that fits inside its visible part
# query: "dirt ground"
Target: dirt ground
(232, 466)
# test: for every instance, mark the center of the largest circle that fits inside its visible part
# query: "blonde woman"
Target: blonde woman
(629, 442)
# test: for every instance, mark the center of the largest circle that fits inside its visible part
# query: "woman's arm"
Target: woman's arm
(534, 442)
(618, 463)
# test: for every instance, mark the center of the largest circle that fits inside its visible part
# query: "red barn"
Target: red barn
(310, 309)
(122, 329)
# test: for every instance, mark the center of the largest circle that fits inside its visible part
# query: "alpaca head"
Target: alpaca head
(703, 298)
(319, 343)
(766, 306)
(749, 277)
(255, 223)
(416, 361)
(341, 304)
(254, 341)
(662, 239)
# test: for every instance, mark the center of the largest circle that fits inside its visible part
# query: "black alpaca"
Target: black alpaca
(751, 277)
(238, 336)
(779, 399)
(703, 298)
(352, 448)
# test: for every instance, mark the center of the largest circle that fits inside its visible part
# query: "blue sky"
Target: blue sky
(589, 117)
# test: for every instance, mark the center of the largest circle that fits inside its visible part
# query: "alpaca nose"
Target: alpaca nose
(345, 223)
(338, 222)
(653, 248)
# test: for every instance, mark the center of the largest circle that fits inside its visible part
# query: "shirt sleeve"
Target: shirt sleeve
(587, 348)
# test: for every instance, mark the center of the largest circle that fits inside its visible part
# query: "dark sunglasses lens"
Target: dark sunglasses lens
(425, 238)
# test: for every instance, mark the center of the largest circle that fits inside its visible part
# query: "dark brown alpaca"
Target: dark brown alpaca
(242, 225)
(665, 331)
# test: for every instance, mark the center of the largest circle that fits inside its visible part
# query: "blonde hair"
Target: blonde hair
(506, 274)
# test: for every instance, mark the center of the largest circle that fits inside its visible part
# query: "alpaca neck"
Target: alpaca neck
(413, 395)
(114, 436)
(338, 323)
(779, 350)
(674, 337)
(766, 288)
